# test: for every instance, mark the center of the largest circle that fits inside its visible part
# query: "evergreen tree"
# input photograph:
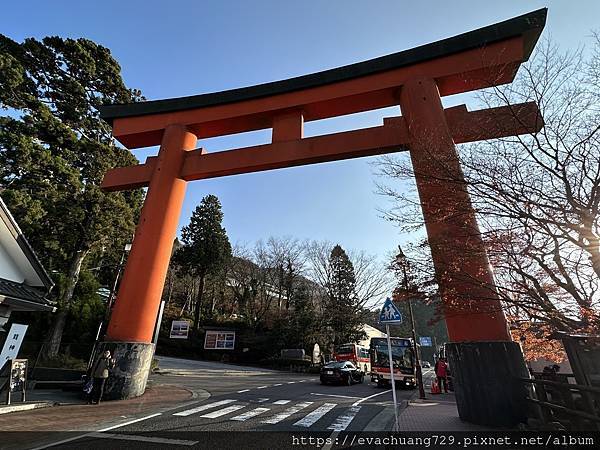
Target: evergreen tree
(342, 311)
(205, 246)
(54, 152)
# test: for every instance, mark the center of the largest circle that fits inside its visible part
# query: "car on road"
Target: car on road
(341, 372)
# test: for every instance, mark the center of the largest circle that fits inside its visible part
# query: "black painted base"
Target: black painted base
(130, 374)
(483, 374)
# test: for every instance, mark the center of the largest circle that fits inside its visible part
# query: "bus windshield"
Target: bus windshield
(402, 355)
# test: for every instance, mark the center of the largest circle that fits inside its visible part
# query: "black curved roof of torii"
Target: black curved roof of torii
(529, 25)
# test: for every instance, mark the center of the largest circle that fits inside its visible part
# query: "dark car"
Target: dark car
(343, 372)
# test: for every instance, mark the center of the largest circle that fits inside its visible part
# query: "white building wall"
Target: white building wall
(8, 268)
(371, 333)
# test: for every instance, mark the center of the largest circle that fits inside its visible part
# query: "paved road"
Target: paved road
(236, 399)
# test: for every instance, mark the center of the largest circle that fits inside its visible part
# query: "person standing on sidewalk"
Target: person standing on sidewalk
(100, 374)
(441, 372)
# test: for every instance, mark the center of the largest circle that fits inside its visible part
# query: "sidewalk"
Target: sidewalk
(73, 414)
(437, 412)
(41, 398)
(37, 428)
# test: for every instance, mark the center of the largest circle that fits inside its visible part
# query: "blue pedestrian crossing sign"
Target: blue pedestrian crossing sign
(390, 313)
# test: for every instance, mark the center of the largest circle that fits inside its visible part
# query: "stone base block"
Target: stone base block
(484, 377)
(128, 378)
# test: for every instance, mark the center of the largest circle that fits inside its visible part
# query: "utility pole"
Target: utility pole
(402, 262)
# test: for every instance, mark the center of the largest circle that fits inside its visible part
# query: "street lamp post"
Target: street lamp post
(113, 290)
(109, 303)
(401, 261)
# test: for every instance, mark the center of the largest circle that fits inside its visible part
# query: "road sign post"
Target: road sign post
(392, 381)
(418, 370)
(390, 314)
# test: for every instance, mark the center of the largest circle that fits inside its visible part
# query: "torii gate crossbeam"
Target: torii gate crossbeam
(415, 80)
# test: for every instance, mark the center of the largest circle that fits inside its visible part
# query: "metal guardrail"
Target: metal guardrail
(574, 406)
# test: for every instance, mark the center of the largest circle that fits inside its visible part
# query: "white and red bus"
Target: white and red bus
(402, 357)
(354, 353)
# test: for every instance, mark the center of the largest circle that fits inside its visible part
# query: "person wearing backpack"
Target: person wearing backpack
(441, 372)
(100, 374)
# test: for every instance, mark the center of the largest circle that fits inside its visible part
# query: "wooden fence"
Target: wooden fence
(559, 404)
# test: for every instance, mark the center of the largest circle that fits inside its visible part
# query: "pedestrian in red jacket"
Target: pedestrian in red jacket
(441, 372)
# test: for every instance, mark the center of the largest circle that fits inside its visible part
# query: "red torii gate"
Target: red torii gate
(414, 79)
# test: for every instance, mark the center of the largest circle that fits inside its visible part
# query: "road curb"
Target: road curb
(384, 421)
(26, 407)
(196, 394)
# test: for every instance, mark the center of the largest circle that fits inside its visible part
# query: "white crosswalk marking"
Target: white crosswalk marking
(262, 387)
(281, 402)
(287, 413)
(290, 382)
(243, 390)
(261, 400)
(315, 415)
(342, 422)
(252, 413)
(222, 412)
(278, 384)
(204, 407)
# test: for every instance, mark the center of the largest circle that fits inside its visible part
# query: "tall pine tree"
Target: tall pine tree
(54, 152)
(205, 246)
(343, 313)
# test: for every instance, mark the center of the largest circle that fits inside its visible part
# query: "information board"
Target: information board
(179, 329)
(425, 341)
(219, 340)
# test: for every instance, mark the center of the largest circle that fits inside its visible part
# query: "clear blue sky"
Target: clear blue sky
(178, 48)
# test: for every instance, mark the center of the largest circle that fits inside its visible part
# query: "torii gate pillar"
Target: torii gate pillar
(129, 334)
(481, 353)
(452, 230)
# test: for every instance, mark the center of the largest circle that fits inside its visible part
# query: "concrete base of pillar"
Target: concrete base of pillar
(128, 378)
(483, 374)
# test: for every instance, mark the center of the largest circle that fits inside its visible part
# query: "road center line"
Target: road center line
(132, 437)
(262, 387)
(82, 436)
(370, 396)
(334, 395)
(128, 423)
(243, 390)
